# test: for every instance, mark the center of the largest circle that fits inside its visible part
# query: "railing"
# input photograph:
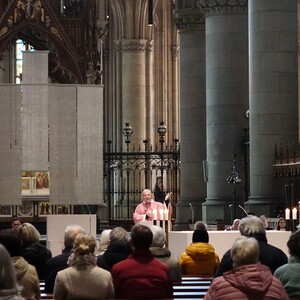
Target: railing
(128, 173)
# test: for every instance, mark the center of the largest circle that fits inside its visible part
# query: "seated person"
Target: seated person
(289, 274)
(199, 257)
(248, 279)
(27, 277)
(59, 262)
(269, 255)
(83, 279)
(265, 222)
(141, 275)
(163, 254)
(119, 247)
(33, 252)
(104, 241)
(234, 226)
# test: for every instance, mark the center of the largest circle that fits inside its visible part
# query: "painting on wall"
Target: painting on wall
(5, 211)
(26, 209)
(35, 183)
(44, 208)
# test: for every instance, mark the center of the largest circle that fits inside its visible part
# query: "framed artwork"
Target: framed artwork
(63, 209)
(5, 211)
(25, 210)
(45, 208)
(26, 186)
(35, 183)
(41, 183)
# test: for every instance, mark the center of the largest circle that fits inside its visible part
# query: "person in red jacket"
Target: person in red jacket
(141, 275)
(248, 279)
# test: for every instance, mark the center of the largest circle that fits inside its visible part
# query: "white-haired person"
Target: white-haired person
(104, 241)
(269, 255)
(83, 279)
(9, 289)
(144, 210)
(248, 279)
(161, 252)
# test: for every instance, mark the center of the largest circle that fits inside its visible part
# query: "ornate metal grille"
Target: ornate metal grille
(128, 173)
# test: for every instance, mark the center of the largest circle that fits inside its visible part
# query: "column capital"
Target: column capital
(189, 19)
(213, 7)
(133, 45)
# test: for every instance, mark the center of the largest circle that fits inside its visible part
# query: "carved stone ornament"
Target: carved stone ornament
(189, 19)
(209, 7)
(132, 45)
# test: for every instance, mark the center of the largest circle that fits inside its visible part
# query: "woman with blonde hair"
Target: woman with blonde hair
(9, 289)
(33, 252)
(83, 279)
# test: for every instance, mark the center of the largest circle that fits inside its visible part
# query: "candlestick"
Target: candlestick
(166, 214)
(154, 214)
(287, 213)
(294, 213)
(161, 214)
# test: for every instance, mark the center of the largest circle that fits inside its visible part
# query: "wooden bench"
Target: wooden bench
(191, 287)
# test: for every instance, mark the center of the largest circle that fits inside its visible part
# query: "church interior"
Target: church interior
(101, 99)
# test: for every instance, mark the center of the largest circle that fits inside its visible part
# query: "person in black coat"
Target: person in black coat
(269, 255)
(118, 249)
(59, 262)
(33, 252)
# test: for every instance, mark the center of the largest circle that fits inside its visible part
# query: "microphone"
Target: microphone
(90, 213)
(192, 213)
(243, 209)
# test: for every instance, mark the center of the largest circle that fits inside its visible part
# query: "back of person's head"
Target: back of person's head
(141, 237)
(118, 235)
(11, 240)
(199, 225)
(71, 232)
(8, 279)
(159, 236)
(251, 225)
(220, 224)
(200, 236)
(29, 234)
(104, 237)
(84, 244)
(244, 251)
(294, 244)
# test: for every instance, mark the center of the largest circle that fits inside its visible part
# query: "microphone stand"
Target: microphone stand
(90, 213)
(192, 213)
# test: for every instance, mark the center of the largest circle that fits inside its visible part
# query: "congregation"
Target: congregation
(139, 265)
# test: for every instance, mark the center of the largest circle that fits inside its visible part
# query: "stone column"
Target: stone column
(133, 86)
(226, 101)
(273, 93)
(190, 23)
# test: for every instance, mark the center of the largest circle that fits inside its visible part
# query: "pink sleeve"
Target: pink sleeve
(138, 213)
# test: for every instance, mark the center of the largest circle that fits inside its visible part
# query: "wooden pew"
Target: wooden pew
(191, 287)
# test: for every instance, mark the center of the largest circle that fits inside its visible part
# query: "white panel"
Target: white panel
(90, 144)
(35, 67)
(10, 150)
(35, 127)
(63, 146)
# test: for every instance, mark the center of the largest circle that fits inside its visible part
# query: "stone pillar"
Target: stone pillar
(226, 101)
(5, 66)
(273, 93)
(133, 86)
(190, 23)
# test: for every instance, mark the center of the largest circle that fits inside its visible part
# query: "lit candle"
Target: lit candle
(166, 213)
(161, 214)
(287, 213)
(154, 214)
(294, 213)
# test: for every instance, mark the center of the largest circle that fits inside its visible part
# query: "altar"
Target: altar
(222, 240)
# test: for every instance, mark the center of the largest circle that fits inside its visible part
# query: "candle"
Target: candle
(294, 213)
(154, 214)
(166, 214)
(287, 213)
(161, 214)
